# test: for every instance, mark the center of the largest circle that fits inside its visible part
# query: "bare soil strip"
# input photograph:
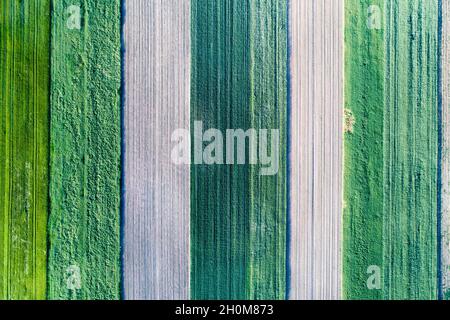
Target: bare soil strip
(445, 160)
(157, 192)
(317, 116)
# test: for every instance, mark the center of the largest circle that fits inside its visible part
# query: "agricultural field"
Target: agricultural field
(444, 204)
(224, 149)
(238, 216)
(156, 262)
(363, 177)
(316, 148)
(84, 221)
(391, 215)
(24, 148)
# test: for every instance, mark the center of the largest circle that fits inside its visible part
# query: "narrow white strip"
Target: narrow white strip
(316, 61)
(157, 196)
(445, 204)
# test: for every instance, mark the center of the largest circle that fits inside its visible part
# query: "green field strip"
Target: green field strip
(238, 218)
(24, 106)
(411, 142)
(220, 97)
(268, 206)
(84, 226)
(363, 173)
(390, 216)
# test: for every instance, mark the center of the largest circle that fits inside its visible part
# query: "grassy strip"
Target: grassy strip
(363, 174)
(238, 218)
(24, 105)
(390, 220)
(84, 227)
(411, 141)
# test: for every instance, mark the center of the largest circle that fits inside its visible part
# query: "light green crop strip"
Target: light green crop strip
(390, 217)
(24, 106)
(363, 173)
(411, 150)
(268, 206)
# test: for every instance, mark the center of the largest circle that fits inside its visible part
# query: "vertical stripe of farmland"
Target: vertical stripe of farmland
(156, 199)
(268, 106)
(220, 97)
(84, 226)
(363, 173)
(445, 153)
(410, 150)
(316, 32)
(402, 225)
(24, 104)
(238, 218)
